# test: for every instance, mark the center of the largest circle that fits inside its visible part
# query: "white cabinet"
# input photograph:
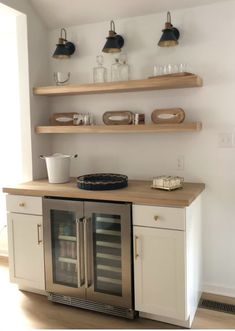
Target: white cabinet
(167, 261)
(159, 272)
(26, 260)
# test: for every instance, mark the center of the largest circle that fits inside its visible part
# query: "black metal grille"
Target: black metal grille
(91, 305)
(218, 306)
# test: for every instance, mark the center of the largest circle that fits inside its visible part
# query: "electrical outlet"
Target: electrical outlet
(180, 162)
(225, 140)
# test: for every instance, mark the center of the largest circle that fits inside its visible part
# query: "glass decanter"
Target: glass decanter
(115, 71)
(124, 69)
(100, 72)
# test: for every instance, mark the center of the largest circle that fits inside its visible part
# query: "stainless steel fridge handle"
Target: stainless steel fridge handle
(79, 254)
(86, 260)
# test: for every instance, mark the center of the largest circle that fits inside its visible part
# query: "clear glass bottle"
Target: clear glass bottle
(100, 72)
(124, 69)
(115, 77)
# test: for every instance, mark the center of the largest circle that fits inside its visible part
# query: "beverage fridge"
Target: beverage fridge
(88, 248)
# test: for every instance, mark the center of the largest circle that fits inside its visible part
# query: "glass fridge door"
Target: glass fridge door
(107, 253)
(110, 253)
(63, 246)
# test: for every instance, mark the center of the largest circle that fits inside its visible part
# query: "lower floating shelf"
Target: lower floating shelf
(148, 128)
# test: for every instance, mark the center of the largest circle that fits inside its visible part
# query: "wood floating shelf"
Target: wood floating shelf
(172, 81)
(150, 128)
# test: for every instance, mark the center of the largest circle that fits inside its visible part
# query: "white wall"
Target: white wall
(10, 98)
(11, 111)
(38, 72)
(206, 44)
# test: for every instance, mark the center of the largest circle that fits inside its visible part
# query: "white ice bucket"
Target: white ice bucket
(58, 167)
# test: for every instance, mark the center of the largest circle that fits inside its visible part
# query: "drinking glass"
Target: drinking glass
(157, 70)
(182, 67)
(169, 68)
(165, 69)
(61, 78)
(175, 69)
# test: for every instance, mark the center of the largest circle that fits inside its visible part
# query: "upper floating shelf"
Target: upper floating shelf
(173, 81)
(149, 128)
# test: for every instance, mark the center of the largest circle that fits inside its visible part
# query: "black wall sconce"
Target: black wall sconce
(114, 41)
(64, 48)
(170, 34)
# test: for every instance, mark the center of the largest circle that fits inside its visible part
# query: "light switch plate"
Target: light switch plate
(225, 140)
(180, 162)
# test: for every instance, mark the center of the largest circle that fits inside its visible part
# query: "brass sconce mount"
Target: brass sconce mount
(170, 34)
(64, 48)
(114, 41)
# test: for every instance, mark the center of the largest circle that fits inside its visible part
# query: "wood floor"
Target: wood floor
(24, 310)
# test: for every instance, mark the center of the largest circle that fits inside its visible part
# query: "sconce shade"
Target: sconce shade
(114, 41)
(170, 34)
(113, 44)
(64, 49)
(168, 38)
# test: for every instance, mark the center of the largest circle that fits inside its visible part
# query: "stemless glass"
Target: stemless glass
(182, 67)
(165, 69)
(61, 78)
(169, 68)
(175, 69)
(157, 70)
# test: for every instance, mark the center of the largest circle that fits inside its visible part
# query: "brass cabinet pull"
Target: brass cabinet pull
(21, 204)
(136, 247)
(38, 233)
(156, 218)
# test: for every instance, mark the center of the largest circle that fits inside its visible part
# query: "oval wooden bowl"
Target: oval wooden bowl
(168, 115)
(117, 117)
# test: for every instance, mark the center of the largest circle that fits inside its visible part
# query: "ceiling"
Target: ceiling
(59, 13)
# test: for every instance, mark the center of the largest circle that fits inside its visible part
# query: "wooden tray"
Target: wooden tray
(167, 188)
(178, 74)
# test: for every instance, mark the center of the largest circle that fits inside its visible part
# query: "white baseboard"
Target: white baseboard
(33, 290)
(173, 321)
(219, 290)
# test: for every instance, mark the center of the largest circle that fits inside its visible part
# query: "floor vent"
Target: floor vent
(218, 306)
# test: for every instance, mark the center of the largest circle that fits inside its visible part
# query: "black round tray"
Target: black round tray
(100, 182)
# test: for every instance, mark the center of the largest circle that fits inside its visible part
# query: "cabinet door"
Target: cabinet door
(159, 271)
(26, 250)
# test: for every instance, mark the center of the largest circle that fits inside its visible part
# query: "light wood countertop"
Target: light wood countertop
(138, 192)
